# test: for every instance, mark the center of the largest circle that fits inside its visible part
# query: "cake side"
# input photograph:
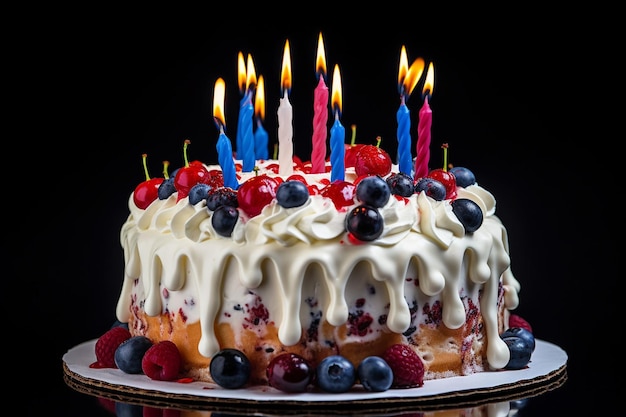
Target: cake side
(292, 279)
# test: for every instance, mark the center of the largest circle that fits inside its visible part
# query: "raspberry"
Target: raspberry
(107, 345)
(407, 366)
(162, 361)
(517, 321)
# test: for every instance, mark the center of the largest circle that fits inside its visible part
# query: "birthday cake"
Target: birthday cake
(296, 278)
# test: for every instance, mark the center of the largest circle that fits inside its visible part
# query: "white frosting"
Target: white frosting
(176, 262)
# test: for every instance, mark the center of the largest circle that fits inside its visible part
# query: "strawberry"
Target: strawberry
(407, 366)
(162, 361)
(107, 345)
(517, 321)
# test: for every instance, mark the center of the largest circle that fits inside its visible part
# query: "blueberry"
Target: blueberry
(230, 368)
(166, 188)
(433, 188)
(469, 214)
(373, 191)
(464, 176)
(365, 223)
(375, 374)
(118, 323)
(224, 219)
(198, 192)
(401, 184)
(335, 373)
(129, 354)
(525, 334)
(520, 352)
(292, 193)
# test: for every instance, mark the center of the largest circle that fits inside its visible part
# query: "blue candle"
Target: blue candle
(337, 150)
(225, 156)
(337, 133)
(405, 161)
(247, 139)
(260, 141)
(223, 146)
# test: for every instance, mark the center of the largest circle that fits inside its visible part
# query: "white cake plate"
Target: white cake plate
(545, 372)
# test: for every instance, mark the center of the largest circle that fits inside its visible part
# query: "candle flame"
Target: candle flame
(336, 93)
(259, 100)
(429, 83)
(250, 74)
(402, 69)
(218, 103)
(241, 71)
(320, 62)
(285, 72)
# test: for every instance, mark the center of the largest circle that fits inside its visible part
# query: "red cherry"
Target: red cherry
(256, 193)
(147, 191)
(188, 176)
(372, 160)
(340, 192)
(350, 152)
(297, 177)
(448, 180)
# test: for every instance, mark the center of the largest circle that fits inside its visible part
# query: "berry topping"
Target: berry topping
(464, 177)
(373, 191)
(517, 321)
(340, 192)
(107, 344)
(230, 368)
(289, 372)
(335, 373)
(190, 175)
(401, 184)
(433, 188)
(365, 223)
(224, 219)
(256, 193)
(407, 366)
(129, 354)
(468, 213)
(147, 191)
(292, 193)
(221, 196)
(447, 179)
(375, 374)
(372, 160)
(162, 361)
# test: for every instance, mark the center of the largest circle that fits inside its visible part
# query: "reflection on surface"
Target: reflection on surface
(497, 409)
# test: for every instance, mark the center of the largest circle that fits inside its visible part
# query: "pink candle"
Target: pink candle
(424, 126)
(320, 113)
(423, 140)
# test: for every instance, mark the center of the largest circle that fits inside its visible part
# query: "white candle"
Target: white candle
(285, 118)
(285, 136)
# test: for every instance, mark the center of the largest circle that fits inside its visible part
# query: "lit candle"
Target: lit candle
(320, 112)
(285, 118)
(224, 147)
(242, 77)
(424, 125)
(337, 132)
(260, 135)
(407, 80)
(246, 112)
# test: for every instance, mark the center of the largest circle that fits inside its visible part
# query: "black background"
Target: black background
(508, 99)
